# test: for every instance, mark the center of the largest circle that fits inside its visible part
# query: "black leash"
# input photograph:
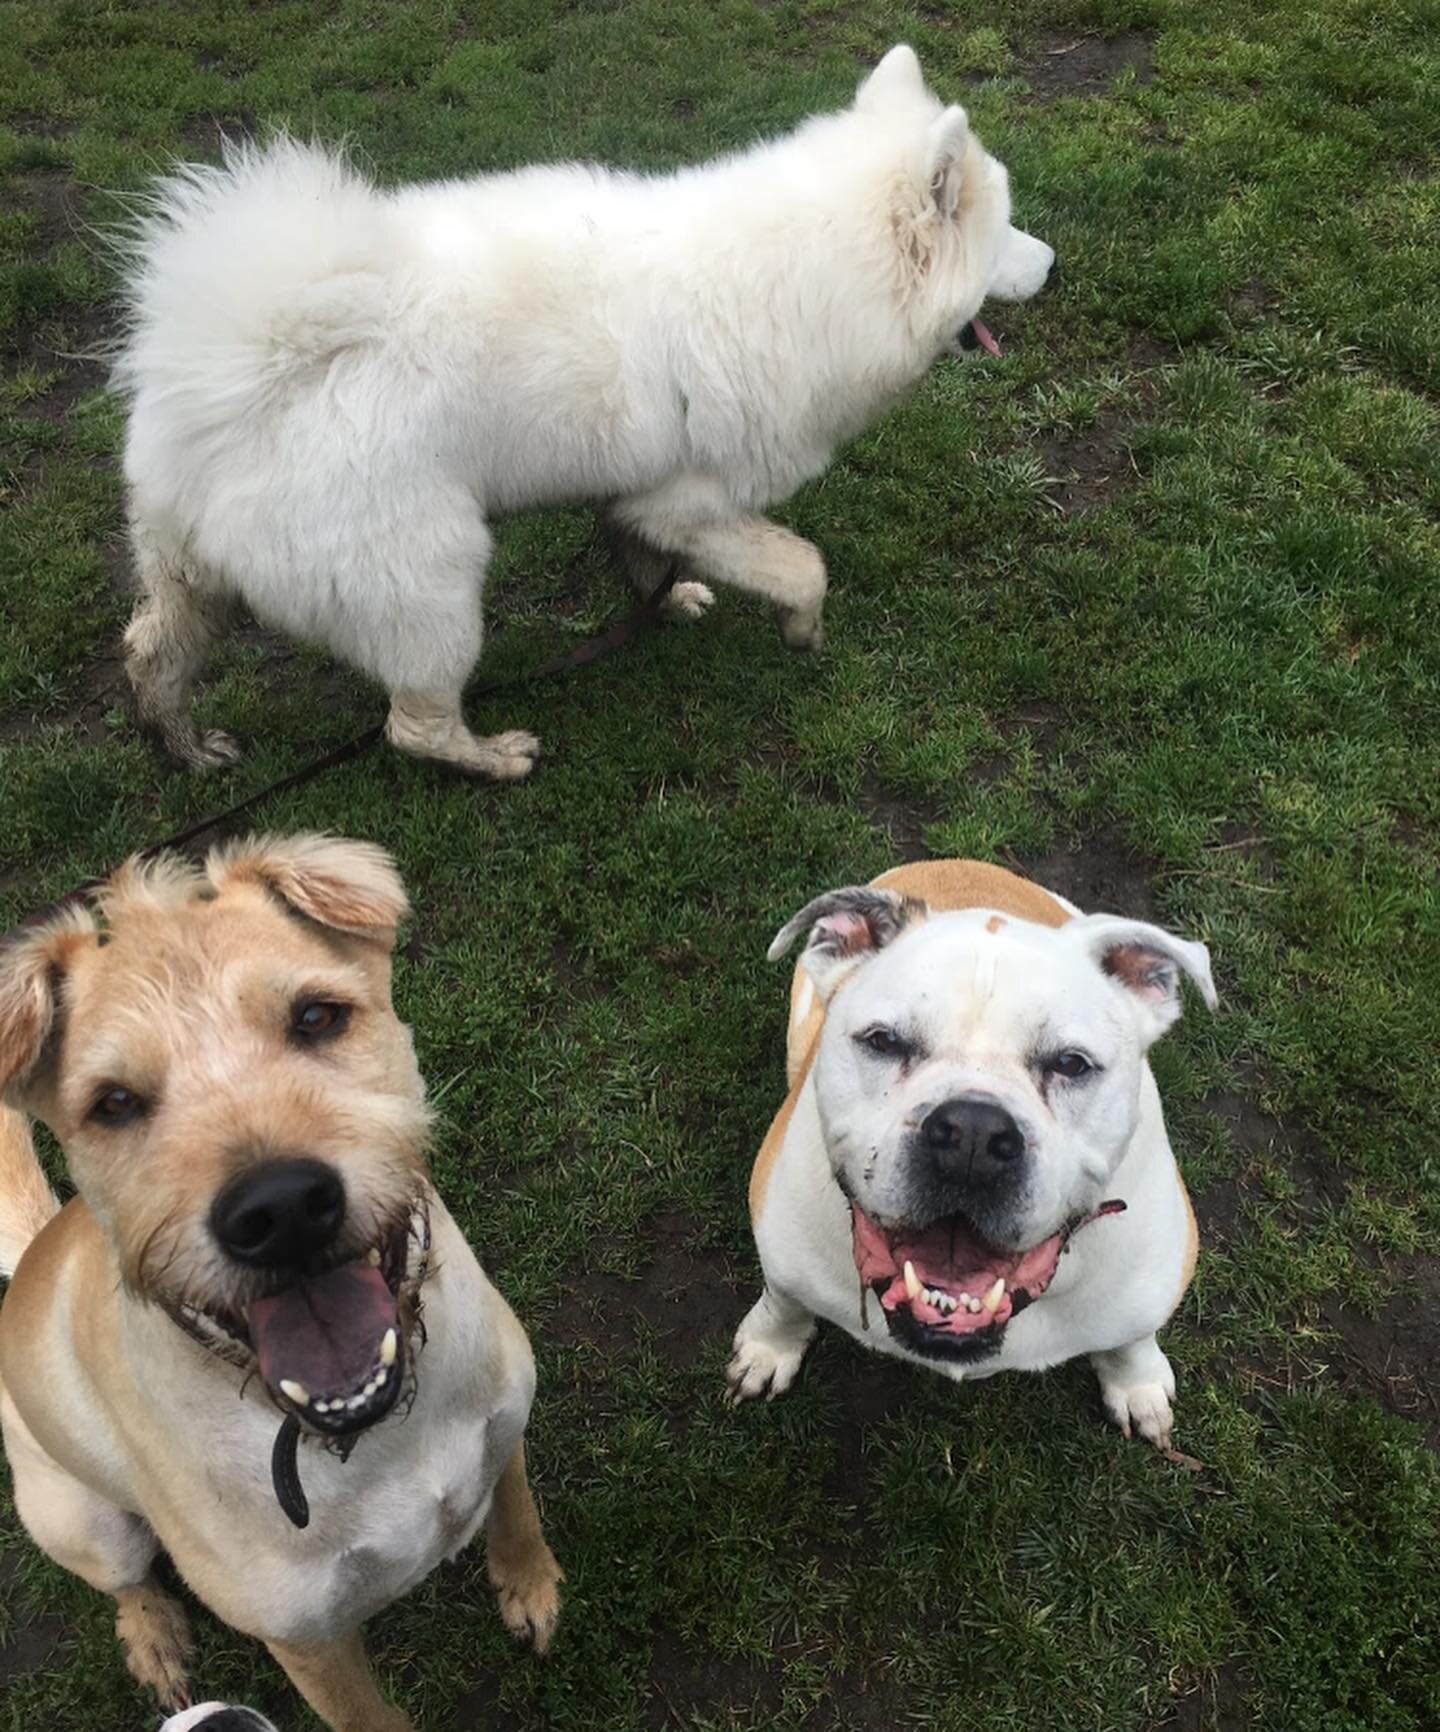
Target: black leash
(604, 643)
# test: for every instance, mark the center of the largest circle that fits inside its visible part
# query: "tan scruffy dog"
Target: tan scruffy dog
(253, 1245)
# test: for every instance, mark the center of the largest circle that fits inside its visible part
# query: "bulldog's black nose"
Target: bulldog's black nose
(971, 1139)
(279, 1214)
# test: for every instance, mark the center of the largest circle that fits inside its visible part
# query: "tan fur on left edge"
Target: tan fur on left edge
(181, 991)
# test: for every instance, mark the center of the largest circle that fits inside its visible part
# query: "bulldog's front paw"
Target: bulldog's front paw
(769, 1346)
(1137, 1387)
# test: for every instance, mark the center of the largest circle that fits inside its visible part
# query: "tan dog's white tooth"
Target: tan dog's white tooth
(372, 1256)
(991, 1301)
(296, 1392)
(912, 1280)
(389, 1347)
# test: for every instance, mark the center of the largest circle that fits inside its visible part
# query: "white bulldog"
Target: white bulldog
(971, 1169)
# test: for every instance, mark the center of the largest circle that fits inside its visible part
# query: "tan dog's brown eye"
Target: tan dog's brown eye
(117, 1106)
(320, 1019)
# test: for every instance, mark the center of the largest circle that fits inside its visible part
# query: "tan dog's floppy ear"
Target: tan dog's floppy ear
(31, 969)
(1148, 962)
(350, 886)
(897, 80)
(846, 928)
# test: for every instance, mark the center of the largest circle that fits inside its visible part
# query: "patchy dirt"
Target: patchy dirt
(904, 819)
(1063, 64)
(27, 1645)
(1395, 1357)
(683, 1297)
(1101, 875)
(1092, 468)
(1215, 1703)
(684, 1685)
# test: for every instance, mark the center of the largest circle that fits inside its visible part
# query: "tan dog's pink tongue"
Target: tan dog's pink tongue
(324, 1332)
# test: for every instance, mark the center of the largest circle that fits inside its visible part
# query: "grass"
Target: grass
(1147, 608)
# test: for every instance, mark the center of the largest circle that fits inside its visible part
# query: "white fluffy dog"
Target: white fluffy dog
(333, 389)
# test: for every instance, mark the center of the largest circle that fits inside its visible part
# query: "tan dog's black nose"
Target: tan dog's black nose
(280, 1214)
(971, 1140)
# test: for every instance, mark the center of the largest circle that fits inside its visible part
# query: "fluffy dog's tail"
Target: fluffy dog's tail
(234, 276)
(26, 1200)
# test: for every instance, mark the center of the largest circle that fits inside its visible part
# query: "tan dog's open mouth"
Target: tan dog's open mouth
(944, 1290)
(334, 1348)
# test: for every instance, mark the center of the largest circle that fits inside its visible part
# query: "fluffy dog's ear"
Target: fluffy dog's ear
(895, 82)
(945, 145)
(31, 969)
(1147, 962)
(350, 886)
(846, 928)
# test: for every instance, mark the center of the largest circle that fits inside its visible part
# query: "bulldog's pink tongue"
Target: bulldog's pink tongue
(984, 338)
(325, 1333)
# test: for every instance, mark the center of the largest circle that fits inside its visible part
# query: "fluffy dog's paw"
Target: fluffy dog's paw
(504, 757)
(1141, 1409)
(686, 602)
(155, 1634)
(203, 749)
(801, 631)
(529, 1599)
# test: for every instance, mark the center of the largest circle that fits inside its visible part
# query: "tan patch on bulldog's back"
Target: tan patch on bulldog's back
(944, 886)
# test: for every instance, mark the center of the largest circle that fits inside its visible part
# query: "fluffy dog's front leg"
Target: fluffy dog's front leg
(1137, 1386)
(690, 518)
(769, 1346)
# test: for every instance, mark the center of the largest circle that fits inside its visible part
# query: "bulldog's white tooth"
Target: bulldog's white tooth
(389, 1347)
(296, 1392)
(912, 1280)
(991, 1301)
(355, 1401)
(372, 1256)
(972, 1304)
(322, 1407)
(372, 1386)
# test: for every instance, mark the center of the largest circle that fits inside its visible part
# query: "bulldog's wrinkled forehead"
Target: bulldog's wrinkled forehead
(960, 971)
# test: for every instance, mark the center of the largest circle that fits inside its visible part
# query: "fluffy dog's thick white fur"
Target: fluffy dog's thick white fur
(333, 388)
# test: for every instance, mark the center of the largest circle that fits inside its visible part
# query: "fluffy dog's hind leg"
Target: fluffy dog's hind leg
(522, 1568)
(165, 647)
(769, 1345)
(647, 568)
(110, 1549)
(423, 647)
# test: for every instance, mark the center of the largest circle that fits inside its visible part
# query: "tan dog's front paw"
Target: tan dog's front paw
(529, 1598)
(155, 1634)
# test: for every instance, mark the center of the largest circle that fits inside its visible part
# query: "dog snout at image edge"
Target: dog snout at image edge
(971, 1169)
(689, 349)
(256, 1272)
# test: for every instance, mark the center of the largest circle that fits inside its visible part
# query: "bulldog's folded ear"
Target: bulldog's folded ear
(1148, 962)
(350, 886)
(846, 927)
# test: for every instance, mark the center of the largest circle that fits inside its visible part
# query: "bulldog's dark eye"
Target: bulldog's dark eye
(885, 1042)
(319, 1019)
(1071, 1065)
(116, 1106)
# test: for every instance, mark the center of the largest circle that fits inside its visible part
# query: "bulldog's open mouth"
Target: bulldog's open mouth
(332, 1348)
(944, 1289)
